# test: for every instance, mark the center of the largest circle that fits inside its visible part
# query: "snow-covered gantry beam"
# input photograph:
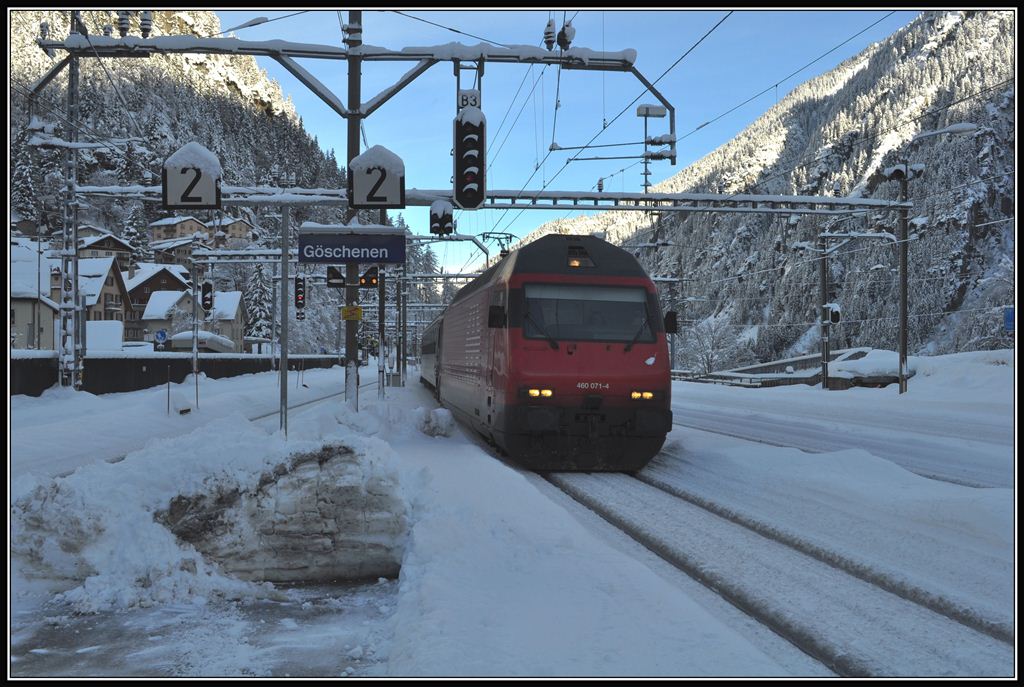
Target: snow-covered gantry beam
(108, 46)
(541, 200)
(664, 202)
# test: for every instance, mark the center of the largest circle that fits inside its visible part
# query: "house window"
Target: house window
(109, 281)
(146, 290)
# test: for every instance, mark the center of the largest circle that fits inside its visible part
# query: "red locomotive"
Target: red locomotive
(558, 355)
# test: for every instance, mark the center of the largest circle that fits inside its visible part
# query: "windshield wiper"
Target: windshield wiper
(551, 339)
(636, 336)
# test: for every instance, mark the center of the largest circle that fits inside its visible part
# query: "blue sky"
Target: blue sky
(749, 52)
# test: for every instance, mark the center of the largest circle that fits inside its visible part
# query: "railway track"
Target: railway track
(827, 444)
(842, 616)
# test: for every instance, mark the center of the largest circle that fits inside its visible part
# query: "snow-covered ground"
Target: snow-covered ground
(500, 574)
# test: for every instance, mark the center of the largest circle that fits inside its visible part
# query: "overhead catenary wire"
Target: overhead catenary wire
(859, 141)
(866, 139)
(602, 130)
(117, 89)
(254, 22)
(786, 78)
(453, 30)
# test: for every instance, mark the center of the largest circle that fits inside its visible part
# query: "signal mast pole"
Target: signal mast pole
(353, 39)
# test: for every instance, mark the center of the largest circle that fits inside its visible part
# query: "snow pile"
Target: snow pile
(877, 363)
(436, 422)
(102, 527)
(989, 374)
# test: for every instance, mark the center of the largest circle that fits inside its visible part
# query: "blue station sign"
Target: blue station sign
(339, 248)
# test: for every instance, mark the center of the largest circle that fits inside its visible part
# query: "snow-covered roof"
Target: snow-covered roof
(145, 270)
(174, 243)
(196, 156)
(161, 303)
(89, 240)
(170, 221)
(227, 221)
(24, 270)
(225, 305)
(92, 272)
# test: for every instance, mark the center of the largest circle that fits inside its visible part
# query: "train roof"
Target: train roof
(551, 255)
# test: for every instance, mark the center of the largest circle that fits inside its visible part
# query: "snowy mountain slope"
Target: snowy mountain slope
(834, 135)
(226, 103)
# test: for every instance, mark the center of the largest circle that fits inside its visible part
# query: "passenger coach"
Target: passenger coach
(558, 355)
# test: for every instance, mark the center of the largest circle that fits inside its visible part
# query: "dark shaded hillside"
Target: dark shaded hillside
(228, 104)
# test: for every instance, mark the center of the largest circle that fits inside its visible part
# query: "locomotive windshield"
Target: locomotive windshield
(575, 312)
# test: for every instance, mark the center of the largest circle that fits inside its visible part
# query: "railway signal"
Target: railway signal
(335, 277)
(369, 278)
(833, 313)
(207, 296)
(441, 221)
(470, 134)
(300, 293)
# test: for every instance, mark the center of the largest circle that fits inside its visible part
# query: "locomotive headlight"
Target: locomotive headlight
(645, 395)
(635, 395)
(648, 395)
(534, 393)
(546, 393)
(540, 393)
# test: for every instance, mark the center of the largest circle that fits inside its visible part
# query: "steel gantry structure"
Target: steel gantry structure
(81, 45)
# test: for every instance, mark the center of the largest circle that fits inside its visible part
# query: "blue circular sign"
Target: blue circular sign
(161, 335)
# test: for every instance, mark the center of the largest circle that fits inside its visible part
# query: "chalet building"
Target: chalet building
(32, 309)
(177, 251)
(26, 310)
(229, 317)
(89, 230)
(232, 228)
(101, 283)
(142, 281)
(159, 312)
(105, 246)
(175, 228)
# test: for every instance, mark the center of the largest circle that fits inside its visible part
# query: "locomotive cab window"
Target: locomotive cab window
(575, 312)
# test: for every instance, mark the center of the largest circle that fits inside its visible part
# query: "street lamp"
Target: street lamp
(903, 173)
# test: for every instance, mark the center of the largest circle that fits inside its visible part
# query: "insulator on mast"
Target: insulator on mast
(549, 35)
(146, 22)
(123, 22)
